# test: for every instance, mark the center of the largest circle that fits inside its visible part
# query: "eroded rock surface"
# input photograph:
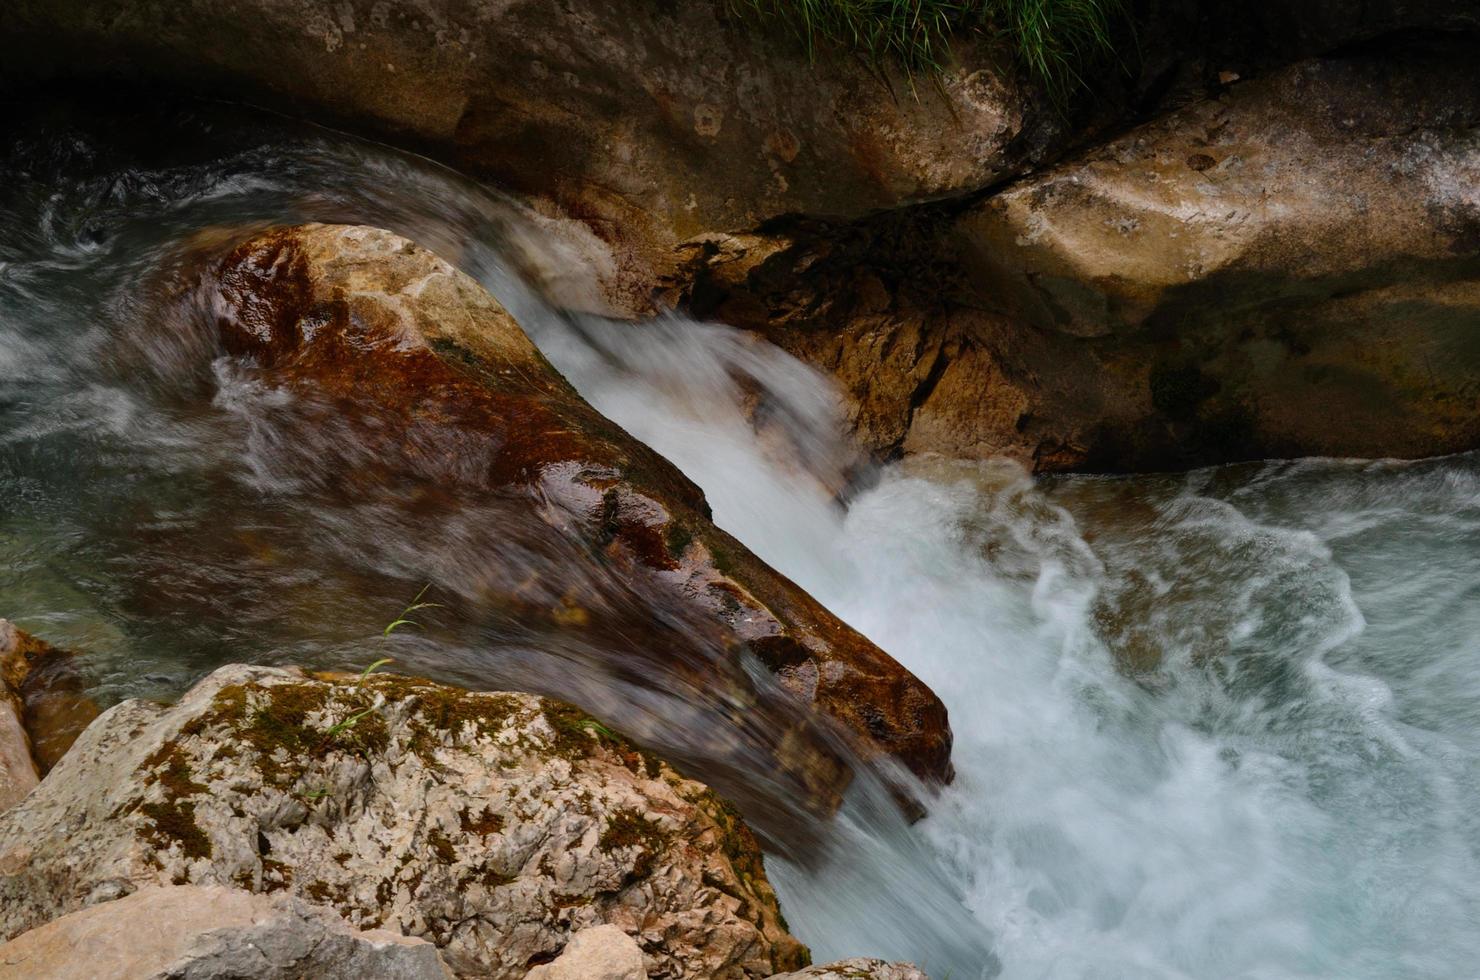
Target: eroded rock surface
(424, 382)
(493, 825)
(857, 969)
(1288, 268)
(193, 932)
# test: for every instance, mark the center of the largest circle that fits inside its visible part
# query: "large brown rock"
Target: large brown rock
(494, 825)
(423, 385)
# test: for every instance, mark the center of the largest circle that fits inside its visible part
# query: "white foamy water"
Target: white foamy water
(1216, 725)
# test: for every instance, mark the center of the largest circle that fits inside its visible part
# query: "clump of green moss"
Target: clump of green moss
(628, 828)
(493, 878)
(273, 717)
(174, 823)
(276, 875)
(578, 735)
(676, 538)
(435, 708)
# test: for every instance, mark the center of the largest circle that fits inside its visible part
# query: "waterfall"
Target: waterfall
(1216, 724)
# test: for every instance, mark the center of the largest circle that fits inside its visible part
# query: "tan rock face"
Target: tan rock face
(192, 932)
(18, 775)
(1290, 268)
(427, 382)
(857, 969)
(653, 122)
(493, 825)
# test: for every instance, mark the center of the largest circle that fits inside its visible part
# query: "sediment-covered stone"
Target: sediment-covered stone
(495, 826)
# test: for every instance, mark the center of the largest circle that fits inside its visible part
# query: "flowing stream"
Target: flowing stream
(1212, 725)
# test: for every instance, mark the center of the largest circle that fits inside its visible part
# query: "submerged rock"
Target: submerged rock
(49, 690)
(191, 932)
(424, 386)
(495, 826)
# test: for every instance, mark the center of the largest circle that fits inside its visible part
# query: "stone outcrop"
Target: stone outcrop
(1290, 269)
(192, 932)
(680, 129)
(598, 953)
(424, 381)
(495, 826)
(1286, 269)
(857, 969)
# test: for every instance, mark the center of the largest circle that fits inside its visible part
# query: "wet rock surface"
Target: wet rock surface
(495, 826)
(858, 969)
(48, 693)
(194, 932)
(428, 388)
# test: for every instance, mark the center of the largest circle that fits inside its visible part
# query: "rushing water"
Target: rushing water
(1221, 724)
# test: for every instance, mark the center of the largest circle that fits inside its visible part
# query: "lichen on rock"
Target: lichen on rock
(469, 819)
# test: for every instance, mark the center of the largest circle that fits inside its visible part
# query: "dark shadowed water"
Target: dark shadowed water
(1281, 779)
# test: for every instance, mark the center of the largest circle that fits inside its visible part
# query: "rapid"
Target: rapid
(1221, 724)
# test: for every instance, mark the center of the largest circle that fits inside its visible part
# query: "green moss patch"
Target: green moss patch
(174, 823)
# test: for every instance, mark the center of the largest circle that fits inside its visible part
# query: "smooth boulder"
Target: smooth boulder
(193, 932)
(598, 953)
(1289, 269)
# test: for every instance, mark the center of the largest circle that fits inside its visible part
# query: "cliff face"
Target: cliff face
(1287, 268)
(653, 121)
(1240, 259)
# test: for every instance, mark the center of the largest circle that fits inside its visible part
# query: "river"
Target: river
(1221, 724)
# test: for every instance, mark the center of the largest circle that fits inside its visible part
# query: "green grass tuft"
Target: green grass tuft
(1055, 40)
